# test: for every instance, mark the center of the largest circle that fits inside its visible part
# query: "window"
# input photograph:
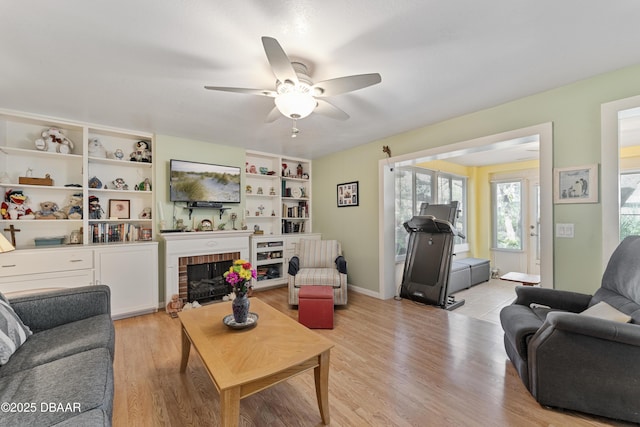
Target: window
(415, 186)
(629, 204)
(507, 215)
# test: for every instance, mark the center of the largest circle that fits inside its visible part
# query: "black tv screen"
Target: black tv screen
(203, 182)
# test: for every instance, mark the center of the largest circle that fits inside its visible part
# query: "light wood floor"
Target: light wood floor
(395, 363)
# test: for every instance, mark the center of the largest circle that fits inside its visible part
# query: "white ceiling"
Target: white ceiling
(142, 64)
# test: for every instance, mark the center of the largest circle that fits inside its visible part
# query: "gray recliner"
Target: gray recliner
(573, 361)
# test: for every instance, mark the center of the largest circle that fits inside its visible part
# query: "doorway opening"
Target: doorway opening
(479, 229)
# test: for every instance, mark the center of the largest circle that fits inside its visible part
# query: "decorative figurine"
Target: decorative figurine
(141, 153)
(145, 214)
(96, 149)
(95, 183)
(234, 216)
(95, 210)
(174, 306)
(119, 184)
(144, 185)
(118, 154)
(75, 238)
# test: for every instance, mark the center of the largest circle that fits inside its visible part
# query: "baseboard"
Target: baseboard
(364, 291)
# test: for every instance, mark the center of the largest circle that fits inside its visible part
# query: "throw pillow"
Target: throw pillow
(13, 333)
(602, 310)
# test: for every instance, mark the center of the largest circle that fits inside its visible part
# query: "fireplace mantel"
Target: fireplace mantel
(185, 244)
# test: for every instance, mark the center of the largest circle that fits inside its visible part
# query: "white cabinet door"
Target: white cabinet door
(131, 271)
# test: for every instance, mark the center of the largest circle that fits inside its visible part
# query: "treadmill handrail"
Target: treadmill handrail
(430, 224)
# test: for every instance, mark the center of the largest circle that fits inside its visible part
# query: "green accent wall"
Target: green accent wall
(575, 112)
(169, 147)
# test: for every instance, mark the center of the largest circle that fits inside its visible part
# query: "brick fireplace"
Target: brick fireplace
(196, 282)
(194, 248)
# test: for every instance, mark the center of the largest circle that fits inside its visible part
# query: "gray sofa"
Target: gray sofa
(63, 374)
(574, 361)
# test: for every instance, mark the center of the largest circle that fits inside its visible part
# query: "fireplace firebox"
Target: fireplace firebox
(205, 282)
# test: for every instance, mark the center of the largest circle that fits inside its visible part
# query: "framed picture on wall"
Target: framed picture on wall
(119, 209)
(348, 194)
(578, 184)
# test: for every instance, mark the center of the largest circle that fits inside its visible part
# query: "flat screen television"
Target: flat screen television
(203, 182)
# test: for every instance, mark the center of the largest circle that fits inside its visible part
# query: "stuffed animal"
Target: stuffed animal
(145, 214)
(96, 149)
(174, 306)
(95, 210)
(15, 206)
(141, 152)
(55, 141)
(50, 210)
(74, 209)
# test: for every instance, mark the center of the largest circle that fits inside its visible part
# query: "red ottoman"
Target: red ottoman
(315, 306)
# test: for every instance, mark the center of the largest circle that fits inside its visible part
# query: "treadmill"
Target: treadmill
(429, 254)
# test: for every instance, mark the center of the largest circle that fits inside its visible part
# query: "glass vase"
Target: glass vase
(240, 306)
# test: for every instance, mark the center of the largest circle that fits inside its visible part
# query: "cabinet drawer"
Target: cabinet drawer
(44, 261)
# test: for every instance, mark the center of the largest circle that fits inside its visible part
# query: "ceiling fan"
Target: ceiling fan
(295, 95)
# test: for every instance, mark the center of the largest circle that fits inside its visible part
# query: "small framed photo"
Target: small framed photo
(119, 209)
(145, 234)
(578, 184)
(348, 194)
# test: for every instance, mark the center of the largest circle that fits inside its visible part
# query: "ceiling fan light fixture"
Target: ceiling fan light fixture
(295, 105)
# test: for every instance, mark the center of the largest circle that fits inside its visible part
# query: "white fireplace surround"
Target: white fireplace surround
(186, 244)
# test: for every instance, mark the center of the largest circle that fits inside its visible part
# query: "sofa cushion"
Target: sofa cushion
(55, 343)
(602, 310)
(94, 418)
(318, 276)
(75, 384)
(13, 333)
(617, 301)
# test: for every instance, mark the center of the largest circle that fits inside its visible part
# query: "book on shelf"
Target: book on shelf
(103, 232)
(293, 227)
(301, 210)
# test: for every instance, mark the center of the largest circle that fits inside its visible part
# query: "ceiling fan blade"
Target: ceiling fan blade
(279, 61)
(345, 84)
(273, 115)
(261, 92)
(327, 109)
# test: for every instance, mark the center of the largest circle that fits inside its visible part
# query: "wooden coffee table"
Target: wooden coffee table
(243, 362)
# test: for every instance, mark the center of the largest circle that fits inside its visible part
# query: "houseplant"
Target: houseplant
(239, 276)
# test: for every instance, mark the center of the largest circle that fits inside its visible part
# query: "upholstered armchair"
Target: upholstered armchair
(318, 262)
(577, 351)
